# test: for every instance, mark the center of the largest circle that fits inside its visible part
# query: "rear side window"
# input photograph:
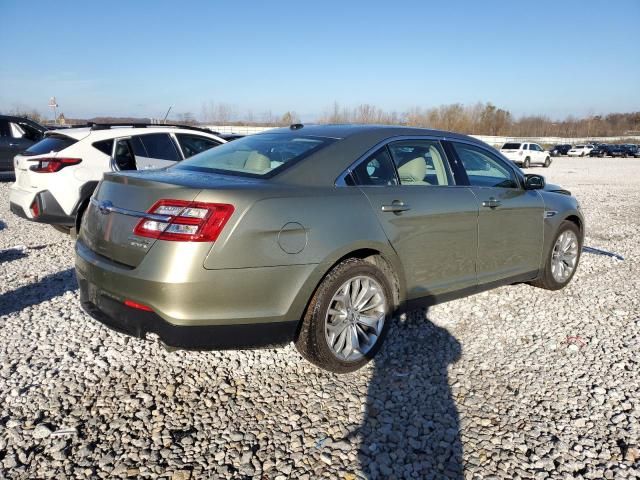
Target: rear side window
(105, 146)
(50, 144)
(483, 168)
(30, 132)
(420, 162)
(160, 146)
(193, 144)
(511, 146)
(376, 170)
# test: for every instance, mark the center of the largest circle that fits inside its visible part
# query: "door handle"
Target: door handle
(13, 144)
(491, 203)
(396, 207)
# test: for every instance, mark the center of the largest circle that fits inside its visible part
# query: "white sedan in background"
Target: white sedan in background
(580, 150)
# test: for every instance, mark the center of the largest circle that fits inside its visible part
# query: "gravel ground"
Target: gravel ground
(513, 383)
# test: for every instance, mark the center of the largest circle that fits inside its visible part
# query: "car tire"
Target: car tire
(547, 162)
(550, 278)
(314, 340)
(527, 163)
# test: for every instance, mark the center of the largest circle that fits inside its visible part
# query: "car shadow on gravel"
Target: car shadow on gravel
(39, 291)
(411, 427)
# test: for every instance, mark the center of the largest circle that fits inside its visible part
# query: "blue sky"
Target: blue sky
(136, 58)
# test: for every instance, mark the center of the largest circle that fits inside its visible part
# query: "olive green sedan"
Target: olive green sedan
(317, 235)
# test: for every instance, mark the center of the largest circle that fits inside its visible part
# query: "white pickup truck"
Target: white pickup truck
(526, 154)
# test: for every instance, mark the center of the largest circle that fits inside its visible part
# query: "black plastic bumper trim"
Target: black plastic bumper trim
(139, 323)
(50, 211)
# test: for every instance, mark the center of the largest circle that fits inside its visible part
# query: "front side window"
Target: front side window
(194, 144)
(483, 168)
(376, 170)
(256, 155)
(420, 162)
(160, 146)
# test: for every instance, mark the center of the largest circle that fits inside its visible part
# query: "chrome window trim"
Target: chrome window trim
(341, 180)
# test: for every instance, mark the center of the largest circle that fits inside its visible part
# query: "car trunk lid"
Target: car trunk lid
(122, 200)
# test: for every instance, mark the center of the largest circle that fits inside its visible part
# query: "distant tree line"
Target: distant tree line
(478, 119)
(487, 119)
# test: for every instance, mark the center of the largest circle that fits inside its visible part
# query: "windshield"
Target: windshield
(260, 155)
(511, 146)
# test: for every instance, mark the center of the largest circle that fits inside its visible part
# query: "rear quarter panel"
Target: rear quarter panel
(302, 226)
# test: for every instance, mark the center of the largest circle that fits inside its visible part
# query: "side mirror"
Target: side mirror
(533, 181)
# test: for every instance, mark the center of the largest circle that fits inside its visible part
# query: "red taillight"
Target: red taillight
(185, 221)
(50, 165)
(35, 209)
(137, 306)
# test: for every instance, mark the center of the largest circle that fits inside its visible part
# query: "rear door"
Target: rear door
(510, 222)
(429, 221)
(145, 152)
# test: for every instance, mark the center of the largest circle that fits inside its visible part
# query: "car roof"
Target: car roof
(14, 118)
(324, 166)
(342, 131)
(79, 133)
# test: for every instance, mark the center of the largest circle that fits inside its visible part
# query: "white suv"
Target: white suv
(526, 154)
(56, 177)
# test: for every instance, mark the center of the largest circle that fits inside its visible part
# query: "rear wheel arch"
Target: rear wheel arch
(391, 269)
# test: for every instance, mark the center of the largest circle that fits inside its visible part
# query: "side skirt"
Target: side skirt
(431, 300)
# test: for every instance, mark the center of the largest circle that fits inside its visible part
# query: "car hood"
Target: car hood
(550, 187)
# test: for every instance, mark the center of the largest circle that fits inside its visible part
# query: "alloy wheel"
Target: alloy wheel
(355, 318)
(564, 256)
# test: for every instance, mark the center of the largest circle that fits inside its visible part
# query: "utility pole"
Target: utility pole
(167, 114)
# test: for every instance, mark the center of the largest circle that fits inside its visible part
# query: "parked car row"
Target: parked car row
(596, 150)
(624, 151)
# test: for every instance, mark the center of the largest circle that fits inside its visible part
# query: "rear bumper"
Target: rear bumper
(138, 323)
(196, 308)
(51, 212)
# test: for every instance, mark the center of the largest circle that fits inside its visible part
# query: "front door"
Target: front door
(510, 221)
(431, 223)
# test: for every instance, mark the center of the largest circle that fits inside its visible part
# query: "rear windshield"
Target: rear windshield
(50, 144)
(579, 146)
(260, 155)
(511, 146)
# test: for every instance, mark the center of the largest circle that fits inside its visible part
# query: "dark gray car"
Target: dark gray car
(16, 134)
(317, 235)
